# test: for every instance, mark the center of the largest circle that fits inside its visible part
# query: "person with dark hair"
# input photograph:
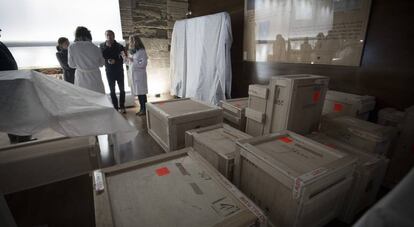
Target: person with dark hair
(7, 62)
(138, 63)
(86, 57)
(113, 53)
(62, 57)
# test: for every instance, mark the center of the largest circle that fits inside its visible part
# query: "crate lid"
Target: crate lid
(182, 106)
(360, 128)
(220, 139)
(391, 114)
(240, 103)
(348, 97)
(364, 158)
(291, 153)
(174, 191)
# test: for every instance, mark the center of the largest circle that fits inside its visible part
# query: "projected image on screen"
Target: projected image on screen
(305, 31)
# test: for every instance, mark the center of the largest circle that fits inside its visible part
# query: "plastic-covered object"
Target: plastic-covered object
(200, 58)
(395, 209)
(31, 102)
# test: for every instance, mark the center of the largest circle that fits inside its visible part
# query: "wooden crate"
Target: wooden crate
(295, 103)
(362, 134)
(368, 176)
(296, 181)
(179, 188)
(256, 109)
(234, 112)
(36, 163)
(167, 121)
(390, 117)
(217, 144)
(353, 105)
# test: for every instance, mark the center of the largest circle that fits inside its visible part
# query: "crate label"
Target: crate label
(99, 184)
(316, 96)
(286, 139)
(338, 107)
(225, 206)
(297, 187)
(162, 171)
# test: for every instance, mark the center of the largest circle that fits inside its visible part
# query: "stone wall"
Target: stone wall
(153, 21)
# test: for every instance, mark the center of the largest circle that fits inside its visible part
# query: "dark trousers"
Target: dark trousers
(117, 77)
(142, 100)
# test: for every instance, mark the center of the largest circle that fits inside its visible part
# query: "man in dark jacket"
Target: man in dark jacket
(62, 57)
(112, 52)
(7, 62)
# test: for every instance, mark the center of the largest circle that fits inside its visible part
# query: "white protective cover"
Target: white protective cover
(200, 58)
(31, 101)
(395, 209)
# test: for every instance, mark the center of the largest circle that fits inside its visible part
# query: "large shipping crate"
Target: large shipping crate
(167, 121)
(295, 103)
(390, 117)
(364, 135)
(368, 176)
(179, 188)
(256, 109)
(234, 112)
(295, 180)
(402, 159)
(217, 144)
(353, 105)
(36, 163)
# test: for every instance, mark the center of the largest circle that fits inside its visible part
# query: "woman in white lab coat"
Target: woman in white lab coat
(138, 65)
(86, 57)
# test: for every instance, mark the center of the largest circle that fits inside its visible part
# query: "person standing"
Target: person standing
(138, 63)
(112, 52)
(7, 62)
(62, 57)
(86, 57)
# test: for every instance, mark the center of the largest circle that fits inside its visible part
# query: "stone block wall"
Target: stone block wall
(153, 21)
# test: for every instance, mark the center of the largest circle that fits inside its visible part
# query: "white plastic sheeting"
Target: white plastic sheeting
(31, 102)
(200, 58)
(396, 209)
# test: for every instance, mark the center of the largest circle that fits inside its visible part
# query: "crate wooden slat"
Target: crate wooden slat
(295, 103)
(296, 181)
(179, 188)
(362, 134)
(353, 105)
(234, 112)
(36, 163)
(217, 144)
(256, 109)
(368, 176)
(167, 121)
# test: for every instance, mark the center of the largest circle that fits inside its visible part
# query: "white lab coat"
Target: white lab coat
(86, 57)
(138, 66)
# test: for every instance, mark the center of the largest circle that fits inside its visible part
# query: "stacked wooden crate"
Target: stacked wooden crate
(353, 105)
(364, 135)
(295, 180)
(294, 102)
(217, 144)
(234, 112)
(176, 189)
(36, 163)
(368, 176)
(167, 121)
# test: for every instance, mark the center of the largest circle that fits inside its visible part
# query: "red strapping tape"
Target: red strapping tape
(316, 96)
(162, 171)
(338, 107)
(286, 139)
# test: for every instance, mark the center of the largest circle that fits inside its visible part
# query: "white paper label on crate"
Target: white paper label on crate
(98, 176)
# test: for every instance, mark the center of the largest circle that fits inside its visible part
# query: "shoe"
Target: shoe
(141, 113)
(123, 111)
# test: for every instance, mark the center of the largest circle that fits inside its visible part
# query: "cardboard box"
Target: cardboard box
(234, 112)
(167, 121)
(179, 188)
(217, 144)
(294, 180)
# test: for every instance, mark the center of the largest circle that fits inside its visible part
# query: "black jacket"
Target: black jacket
(113, 52)
(7, 61)
(68, 72)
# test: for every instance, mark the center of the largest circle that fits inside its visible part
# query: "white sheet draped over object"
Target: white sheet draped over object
(200, 58)
(31, 102)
